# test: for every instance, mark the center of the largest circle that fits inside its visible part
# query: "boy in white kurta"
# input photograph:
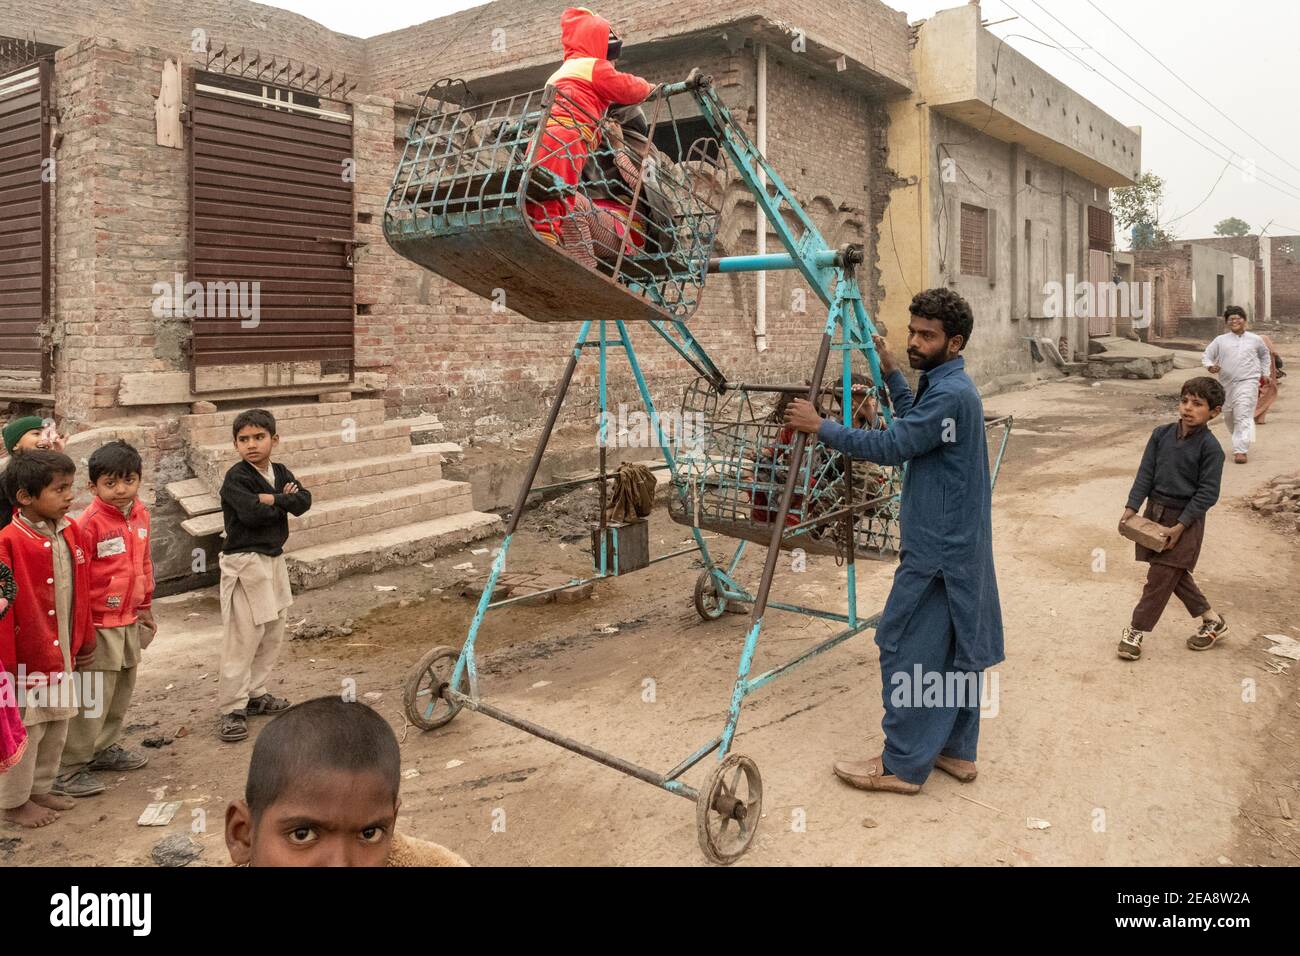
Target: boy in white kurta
(1242, 362)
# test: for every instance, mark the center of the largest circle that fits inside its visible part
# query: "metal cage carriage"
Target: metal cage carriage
(733, 474)
(472, 200)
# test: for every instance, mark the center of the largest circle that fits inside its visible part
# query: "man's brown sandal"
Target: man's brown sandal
(963, 770)
(870, 775)
(233, 727)
(266, 704)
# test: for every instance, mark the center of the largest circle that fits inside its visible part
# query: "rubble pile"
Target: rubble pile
(1280, 499)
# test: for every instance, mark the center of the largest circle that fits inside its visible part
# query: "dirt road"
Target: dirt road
(1176, 759)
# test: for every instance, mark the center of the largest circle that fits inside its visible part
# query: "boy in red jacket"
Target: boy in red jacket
(114, 533)
(587, 83)
(48, 630)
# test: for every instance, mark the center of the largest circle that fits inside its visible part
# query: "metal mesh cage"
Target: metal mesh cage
(566, 213)
(732, 477)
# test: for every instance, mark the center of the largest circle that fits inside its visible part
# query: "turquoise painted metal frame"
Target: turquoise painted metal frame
(848, 329)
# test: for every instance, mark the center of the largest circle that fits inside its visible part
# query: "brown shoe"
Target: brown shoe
(870, 775)
(963, 770)
(1239, 458)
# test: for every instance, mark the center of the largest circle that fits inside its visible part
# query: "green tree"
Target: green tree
(1232, 226)
(1137, 210)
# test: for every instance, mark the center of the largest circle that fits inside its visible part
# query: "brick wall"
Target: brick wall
(443, 350)
(171, 26)
(1285, 281)
(1174, 268)
(518, 34)
(122, 219)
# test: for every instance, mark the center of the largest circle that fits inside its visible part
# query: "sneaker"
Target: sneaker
(83, 783)
(117, 758)
(1130, 643)
(1208, 634)
(266, 704)
(233, 727)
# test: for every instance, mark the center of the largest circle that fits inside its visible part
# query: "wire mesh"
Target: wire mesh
(732, 477)
(594, 188)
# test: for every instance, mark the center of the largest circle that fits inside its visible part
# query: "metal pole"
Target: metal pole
(561, 390)
(796, 459)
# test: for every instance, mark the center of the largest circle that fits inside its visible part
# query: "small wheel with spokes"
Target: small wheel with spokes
(422, 697)
(709, 604)
(729, 808)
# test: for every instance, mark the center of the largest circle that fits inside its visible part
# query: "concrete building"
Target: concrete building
(1277, 271)
(205, 141)
(1001, 192)
(1195, 281)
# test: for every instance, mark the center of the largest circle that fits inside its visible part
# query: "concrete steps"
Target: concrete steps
(322, 565)
(376, 498)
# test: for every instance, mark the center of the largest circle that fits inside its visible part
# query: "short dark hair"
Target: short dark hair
(327, 733)
(117, 459)
(1204, 387)
(1232, 310)
(946, 306)
(257, 417)
(35, 470)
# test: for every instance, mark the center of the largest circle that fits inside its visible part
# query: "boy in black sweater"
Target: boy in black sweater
(257, 497)
(1179, 479)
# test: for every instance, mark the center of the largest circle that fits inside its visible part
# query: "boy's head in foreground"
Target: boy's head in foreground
(115, 471)
(1200, 400)
(40, 483)
(255, 437)
(28, 433)
(322, 789)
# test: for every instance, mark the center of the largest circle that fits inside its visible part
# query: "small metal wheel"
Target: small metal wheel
(422, 698)
(709, 604)
(729, 808)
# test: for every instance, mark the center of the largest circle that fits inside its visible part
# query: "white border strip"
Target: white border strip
(267, 101)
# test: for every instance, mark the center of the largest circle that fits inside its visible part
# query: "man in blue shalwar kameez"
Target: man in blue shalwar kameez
(942, 623)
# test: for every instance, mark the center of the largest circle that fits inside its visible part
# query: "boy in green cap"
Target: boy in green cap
(23, 434)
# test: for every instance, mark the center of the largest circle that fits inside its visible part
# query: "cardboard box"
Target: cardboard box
(1144, 531)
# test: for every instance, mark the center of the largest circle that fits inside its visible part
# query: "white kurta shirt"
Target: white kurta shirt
(1240, 357)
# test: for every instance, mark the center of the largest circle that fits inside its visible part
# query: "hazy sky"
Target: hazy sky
(1243, 58)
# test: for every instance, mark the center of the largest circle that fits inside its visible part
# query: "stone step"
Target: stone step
(322, 565)
(333, 480)
(302, 451)
(220, 434)
(357, 515)
(286, 416)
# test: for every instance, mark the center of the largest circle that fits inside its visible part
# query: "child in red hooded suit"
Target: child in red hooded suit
(588, 84)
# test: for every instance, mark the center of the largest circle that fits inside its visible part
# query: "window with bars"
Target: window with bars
(974, 240)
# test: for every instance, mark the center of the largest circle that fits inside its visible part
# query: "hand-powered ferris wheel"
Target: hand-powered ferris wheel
(632, 241)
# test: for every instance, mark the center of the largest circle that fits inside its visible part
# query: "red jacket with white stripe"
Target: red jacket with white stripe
(29, 633)
(121, 572)
(589, 80)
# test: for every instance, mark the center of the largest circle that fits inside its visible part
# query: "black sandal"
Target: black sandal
(266, 704)
(234, 727)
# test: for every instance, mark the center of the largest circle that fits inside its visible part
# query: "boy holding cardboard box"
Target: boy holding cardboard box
(1179, 480)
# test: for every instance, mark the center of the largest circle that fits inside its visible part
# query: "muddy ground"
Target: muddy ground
(1179, 758)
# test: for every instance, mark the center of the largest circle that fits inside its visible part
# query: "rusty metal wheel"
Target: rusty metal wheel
(422, 698)
(709, 604)
(729, 808)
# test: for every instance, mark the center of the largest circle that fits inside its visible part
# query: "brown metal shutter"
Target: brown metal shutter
(974, 240)
(24, 228)
(1101, 229)
(270, 204)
